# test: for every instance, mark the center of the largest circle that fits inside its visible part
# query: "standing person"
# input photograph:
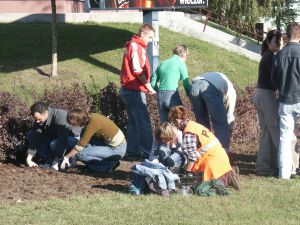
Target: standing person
(213, 96)
(286, 78)
(266, 104)
(135, 83)
(50, 137)
(203, 150)
(168, 74)
(102, 144)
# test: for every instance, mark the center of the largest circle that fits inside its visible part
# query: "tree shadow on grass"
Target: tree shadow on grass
(25, 46)
(245, 162)
(112, 187)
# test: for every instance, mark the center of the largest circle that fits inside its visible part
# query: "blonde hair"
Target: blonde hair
(165, 133)
(146, 28)
(180, 50)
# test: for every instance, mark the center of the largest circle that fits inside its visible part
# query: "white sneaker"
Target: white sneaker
(54, 165)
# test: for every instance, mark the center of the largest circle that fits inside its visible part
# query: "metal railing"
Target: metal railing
(239, 28)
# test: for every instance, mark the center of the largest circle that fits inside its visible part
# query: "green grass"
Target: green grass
(262, 201)
(96, 50)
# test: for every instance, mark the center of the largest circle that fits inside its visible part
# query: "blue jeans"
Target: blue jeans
(139, 129)
(207, 103)
(100, 157)
(44, 145)
(170, 158)
(287, 114)
(167, 100)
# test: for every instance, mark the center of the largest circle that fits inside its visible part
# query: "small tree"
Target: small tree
(54, 39)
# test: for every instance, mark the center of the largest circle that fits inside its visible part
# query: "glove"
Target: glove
(65, 163)
(29, 161)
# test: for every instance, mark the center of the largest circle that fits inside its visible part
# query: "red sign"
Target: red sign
(151, 4)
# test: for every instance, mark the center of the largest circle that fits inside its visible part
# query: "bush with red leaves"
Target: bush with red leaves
(14, 122)
(246, 129)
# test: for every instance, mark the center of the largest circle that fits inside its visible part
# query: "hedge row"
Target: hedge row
(15, 119)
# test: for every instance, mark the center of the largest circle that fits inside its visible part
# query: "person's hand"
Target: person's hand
(29, 161)
(65, 163)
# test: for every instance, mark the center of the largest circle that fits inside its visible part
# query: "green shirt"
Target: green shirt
(169, 73)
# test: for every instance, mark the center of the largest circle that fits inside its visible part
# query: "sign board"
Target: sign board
(148, 4)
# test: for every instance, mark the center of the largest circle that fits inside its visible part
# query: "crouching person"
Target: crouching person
(204, 151)
(102, 143)
(50, 137)
(167, 146)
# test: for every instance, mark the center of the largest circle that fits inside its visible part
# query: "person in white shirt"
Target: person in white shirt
(213, 98)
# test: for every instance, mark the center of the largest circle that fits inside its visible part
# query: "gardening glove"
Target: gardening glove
(65, 163)
(29, 161)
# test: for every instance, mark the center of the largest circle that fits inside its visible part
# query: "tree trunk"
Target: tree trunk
(54, 39)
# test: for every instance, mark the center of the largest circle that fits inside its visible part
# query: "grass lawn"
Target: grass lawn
(262, 201)
(86, 50)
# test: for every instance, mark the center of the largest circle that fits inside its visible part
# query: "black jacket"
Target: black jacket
(56, 127)
(286, 73)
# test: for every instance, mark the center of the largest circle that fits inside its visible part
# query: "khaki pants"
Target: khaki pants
(267, 157)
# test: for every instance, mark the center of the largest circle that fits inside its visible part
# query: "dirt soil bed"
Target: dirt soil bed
(20, 183)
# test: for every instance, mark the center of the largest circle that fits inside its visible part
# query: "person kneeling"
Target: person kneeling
(101, 145)
(167, 146)
(203, 150)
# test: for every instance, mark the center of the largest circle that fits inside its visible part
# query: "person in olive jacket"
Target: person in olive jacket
(101, 145)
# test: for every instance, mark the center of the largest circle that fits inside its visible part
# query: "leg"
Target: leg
(198, 104)
(266, 157)
(285, 146)
(101, 158)
(161, 104)
(132, 133)
(214, 102)
(41, 144)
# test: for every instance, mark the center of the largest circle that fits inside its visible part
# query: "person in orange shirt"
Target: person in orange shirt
(203, 150)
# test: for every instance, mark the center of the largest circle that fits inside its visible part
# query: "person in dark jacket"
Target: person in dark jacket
(50, 137)
(286, 78)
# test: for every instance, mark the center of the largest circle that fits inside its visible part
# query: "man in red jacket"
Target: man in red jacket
(135, 83)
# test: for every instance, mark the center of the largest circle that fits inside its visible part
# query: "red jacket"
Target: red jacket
(135, 63)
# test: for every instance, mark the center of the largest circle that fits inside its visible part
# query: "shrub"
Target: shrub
(112, 106)
(14, 123)
(67, 97)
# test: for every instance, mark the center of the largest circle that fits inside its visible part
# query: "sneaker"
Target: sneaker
(55, 165)
(233, 180)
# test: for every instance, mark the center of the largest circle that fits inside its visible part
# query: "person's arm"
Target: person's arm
(189, 148)
(155, 79)
(275, 73)
(185, 78)
(231, 101)
(142, 78)
(139, 67)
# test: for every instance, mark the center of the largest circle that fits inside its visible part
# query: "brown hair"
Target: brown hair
(165, 133)
(293, 31)
(78, 117)
(272, 33)
(180, 50)
(146, 28)
(177, 112)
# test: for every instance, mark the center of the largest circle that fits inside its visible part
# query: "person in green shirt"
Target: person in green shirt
(165, 81)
